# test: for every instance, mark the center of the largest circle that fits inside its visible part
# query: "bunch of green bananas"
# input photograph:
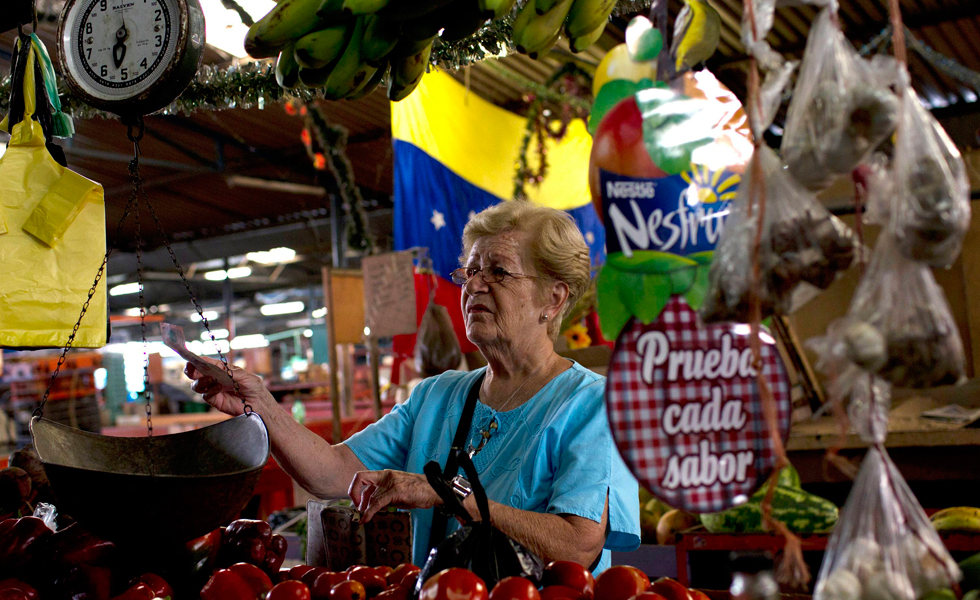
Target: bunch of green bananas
(540, 22)
(958, 518)
(347, 47)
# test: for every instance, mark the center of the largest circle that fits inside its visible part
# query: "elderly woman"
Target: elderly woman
(539, 437)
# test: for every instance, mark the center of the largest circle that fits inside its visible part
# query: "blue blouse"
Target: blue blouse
(553, 454)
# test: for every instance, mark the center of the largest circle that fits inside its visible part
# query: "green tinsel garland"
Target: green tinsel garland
(330, 141)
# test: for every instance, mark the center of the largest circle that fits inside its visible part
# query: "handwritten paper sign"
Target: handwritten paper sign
(389, 294)
(684, 408)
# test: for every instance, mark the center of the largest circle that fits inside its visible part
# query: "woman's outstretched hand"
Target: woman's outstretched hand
(250, 384)
(371, 491)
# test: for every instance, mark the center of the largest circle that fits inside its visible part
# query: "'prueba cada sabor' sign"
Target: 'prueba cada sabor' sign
(685, 412)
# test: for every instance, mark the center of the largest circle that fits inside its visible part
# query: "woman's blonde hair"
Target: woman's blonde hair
(557, 247)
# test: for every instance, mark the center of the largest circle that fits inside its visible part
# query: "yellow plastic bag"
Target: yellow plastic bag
(52, 242)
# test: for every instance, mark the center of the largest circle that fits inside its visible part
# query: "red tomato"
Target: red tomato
(569, 574)
(348, 590)
(16, 590)
(670, 589)
(310, 576)
(290, 590)
(401, 572)
(224, 584)
(621, 583)
(384, 571)
(648, 596)
(298, 571)
(454, 584)
(560, 592)
(372, 581)
(698, 595)
(324, 582)
(282, 575)
(515, 588)
(157, 584)
(395, 592)
(252, 575)
(411, 580)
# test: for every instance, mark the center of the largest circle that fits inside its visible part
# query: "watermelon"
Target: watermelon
(789, 477)
(802, 512)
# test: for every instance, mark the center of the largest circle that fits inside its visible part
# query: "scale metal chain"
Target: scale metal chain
(39, 411)
(147, 394)
(247, 408)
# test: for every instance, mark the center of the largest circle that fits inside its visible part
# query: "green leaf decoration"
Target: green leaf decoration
(613, 314)
(611, 94)
(649, 261)
(669, 116)
(699, 290)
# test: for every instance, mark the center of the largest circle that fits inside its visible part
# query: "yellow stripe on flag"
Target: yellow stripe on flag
(480, 142)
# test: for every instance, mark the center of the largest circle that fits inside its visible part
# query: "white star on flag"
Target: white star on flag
(438, 220)
(589, 237)
(470, 216)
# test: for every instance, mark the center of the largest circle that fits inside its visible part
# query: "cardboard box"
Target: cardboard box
(337, 539)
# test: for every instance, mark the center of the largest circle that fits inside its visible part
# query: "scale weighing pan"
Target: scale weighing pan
(200, 479)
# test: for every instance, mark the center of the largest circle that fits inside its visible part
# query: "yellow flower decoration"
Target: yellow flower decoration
(577, 337)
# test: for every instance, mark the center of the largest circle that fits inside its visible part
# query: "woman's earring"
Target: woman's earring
(544, 318)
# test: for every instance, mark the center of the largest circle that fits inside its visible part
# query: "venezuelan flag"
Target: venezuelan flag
(455, 154)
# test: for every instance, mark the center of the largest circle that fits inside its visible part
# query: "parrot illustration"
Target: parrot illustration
(697, 30)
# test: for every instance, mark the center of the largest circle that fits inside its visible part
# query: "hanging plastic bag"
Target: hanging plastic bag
(436, 347)
(931, 189)
(883, 547)
(801, 242)
(899, 325)
(477, 546)
(52, 230)
(841, 108)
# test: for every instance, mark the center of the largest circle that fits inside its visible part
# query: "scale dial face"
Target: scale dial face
(117, 52)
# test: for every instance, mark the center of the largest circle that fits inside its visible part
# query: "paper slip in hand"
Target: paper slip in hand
(173, 338)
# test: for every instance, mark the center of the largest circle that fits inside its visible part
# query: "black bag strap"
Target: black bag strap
(440, 518)
(478, 492)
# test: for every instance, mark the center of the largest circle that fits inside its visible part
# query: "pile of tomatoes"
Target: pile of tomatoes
(245, 582)
(562, 580)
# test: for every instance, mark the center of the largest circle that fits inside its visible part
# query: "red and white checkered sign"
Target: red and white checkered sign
(684, 408)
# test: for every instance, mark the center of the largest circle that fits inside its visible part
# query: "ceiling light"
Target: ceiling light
(308, 333)
(219, 334)
(132, 312)
(272, 257)
(210, 315)
(249, 341)
(367, 331)
(319, 313)
(239, 272)
(283, 308)
(224, 28)
(216, 275)
(126, 288)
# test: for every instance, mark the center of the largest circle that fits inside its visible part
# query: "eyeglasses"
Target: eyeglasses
(462, 275)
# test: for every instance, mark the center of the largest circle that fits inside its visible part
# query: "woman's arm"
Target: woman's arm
(551, 537)
(322, 469)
